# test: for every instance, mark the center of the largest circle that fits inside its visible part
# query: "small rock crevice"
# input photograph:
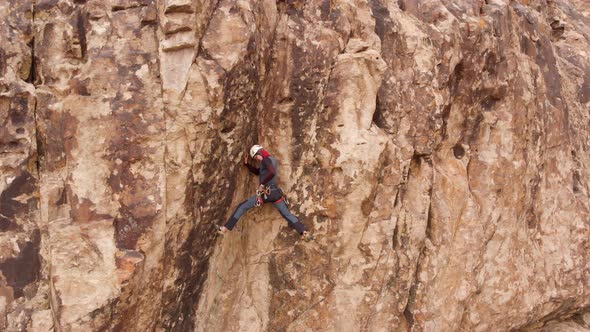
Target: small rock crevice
(81, 27)
(33, 69)
(118, 8)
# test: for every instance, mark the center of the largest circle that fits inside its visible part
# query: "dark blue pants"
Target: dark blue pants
(272, 198)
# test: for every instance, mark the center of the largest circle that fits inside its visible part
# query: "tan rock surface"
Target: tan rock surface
(438, 150)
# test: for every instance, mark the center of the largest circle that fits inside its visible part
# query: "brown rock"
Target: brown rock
(438, 150)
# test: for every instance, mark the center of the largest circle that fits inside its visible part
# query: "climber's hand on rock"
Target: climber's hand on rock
(246, 160)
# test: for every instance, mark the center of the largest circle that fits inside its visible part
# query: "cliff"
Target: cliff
(437, 149)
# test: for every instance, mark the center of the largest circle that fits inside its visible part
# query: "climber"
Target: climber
(268, 191)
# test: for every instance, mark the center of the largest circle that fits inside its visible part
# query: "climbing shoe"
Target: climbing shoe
(219, 230)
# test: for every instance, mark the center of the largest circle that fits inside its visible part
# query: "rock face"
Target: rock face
(438, 150)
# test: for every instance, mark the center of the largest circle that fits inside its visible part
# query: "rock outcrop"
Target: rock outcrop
(437, 149)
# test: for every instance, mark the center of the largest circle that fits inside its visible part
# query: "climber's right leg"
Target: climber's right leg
(239, 212)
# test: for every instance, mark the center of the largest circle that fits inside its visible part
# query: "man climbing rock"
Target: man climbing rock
(268, 191)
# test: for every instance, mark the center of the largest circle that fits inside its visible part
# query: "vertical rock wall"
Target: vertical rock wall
(23, 271)
(438, 150)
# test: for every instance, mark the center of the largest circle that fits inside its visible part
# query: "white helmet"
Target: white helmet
(254, 150)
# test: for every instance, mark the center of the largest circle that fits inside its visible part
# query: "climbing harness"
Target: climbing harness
(264, 192)
(261, 195)
(283, 197)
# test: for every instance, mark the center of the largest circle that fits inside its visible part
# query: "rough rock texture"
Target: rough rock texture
(438, 150)
(578, 323)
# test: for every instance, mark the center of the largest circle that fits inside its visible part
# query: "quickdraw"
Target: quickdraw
(261, 195)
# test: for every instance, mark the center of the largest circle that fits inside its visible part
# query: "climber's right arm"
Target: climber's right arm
(250, 167)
